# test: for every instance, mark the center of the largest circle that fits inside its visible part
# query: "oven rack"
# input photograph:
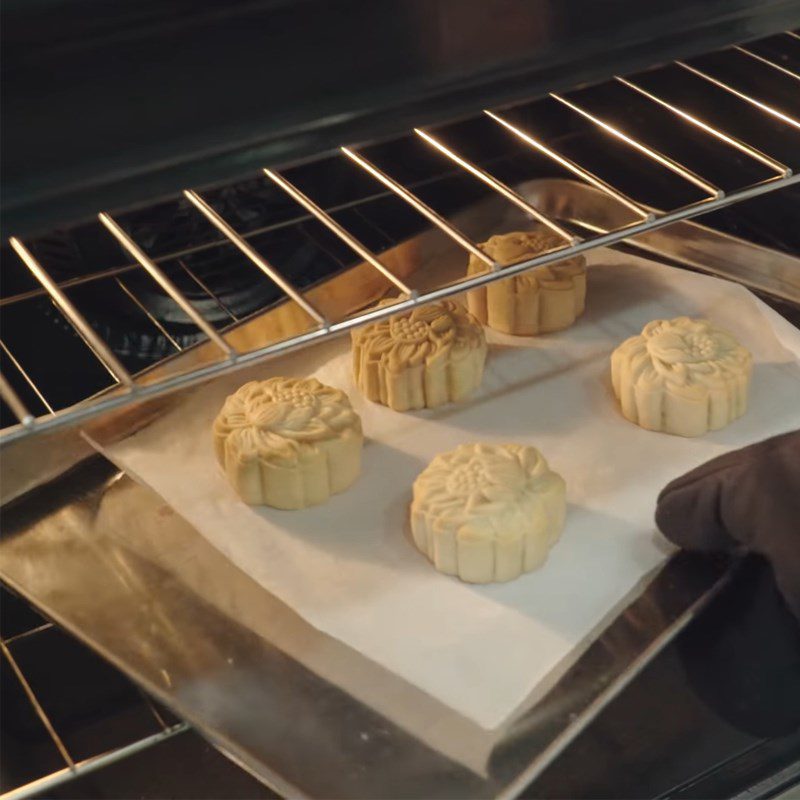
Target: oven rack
(162, 729)
(128, 389)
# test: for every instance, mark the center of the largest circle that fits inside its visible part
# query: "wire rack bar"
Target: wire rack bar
(766, 61)
(37, 706)
(13, 401)
(417, 204)
(138, 303)
(767, 109)
(747, 149)
(202, 247)
(219, 223)
(49, 782)
(498, 186)
(165, 283)
(72, 768)
(25, 376)
(111, 402)
(654, 155)
(75, 318)
(153, 710)
(525, 136)
(31, 632)
(68, 284)
(569, 164)
(354, 244)
(207, 290)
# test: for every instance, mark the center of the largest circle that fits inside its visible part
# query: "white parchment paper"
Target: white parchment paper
(349, 567)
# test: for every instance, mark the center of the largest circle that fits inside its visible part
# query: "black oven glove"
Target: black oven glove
(748, 499)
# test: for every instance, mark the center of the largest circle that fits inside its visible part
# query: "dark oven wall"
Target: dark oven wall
(109, 105)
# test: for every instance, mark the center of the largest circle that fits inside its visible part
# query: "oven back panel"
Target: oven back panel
(109, 105)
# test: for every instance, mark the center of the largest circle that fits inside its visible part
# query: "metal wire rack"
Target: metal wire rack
(128, 388)
(73, 767)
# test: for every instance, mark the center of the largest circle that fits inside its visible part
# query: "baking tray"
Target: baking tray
(108, 560)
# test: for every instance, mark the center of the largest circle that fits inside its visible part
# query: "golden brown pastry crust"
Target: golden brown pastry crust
(288, 442)
(420, 359)
(487, 512)
(681, 376)
(543, 300)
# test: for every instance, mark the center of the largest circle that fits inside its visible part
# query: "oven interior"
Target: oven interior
(692, 134)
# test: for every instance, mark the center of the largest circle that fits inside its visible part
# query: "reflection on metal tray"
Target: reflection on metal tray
(170, 611)
(689, 244)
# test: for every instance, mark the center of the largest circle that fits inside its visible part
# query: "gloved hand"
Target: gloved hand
(747, 499)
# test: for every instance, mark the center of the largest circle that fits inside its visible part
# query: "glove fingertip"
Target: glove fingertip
(688, 515)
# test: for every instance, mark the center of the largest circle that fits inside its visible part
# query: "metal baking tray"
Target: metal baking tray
(107, 559)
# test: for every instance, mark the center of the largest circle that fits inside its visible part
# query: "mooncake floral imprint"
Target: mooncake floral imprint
(682, 376)
(288, 442)
(487, 512)
(544, 300)
(422, 358)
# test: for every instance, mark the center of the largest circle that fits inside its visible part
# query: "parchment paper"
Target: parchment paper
(349, 567)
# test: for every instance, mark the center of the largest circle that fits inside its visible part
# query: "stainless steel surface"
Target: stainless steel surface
(689, 243)
(784, 785)
(105, 558)
(318, 324)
